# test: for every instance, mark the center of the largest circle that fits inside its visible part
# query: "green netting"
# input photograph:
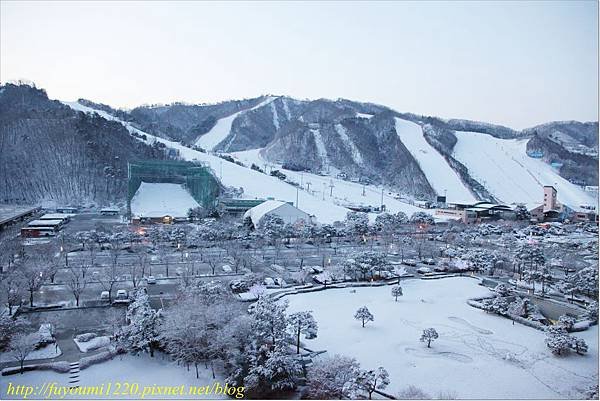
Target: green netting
(196, 177)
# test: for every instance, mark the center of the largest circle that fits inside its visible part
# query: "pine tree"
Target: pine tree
(333, 378)
(558, 340)
(428, 336)
(141, 333)
(364, 315)
(302, 323)
(396, 292)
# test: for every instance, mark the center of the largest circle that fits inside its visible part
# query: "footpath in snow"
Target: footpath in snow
(440, 175)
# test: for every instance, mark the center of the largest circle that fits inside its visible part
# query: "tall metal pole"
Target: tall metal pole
(297, 198)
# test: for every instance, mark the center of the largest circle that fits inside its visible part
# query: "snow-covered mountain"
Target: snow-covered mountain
(409, 153)
(339, 145)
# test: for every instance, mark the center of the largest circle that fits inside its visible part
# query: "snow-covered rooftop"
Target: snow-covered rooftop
(289, 215)
(162, 199)
(258, 212)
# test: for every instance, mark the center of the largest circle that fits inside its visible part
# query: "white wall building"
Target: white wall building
(283, 210)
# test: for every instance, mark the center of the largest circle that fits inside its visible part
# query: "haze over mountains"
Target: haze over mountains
(419, 156)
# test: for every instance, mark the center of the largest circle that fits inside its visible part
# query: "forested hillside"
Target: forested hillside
(52, 154)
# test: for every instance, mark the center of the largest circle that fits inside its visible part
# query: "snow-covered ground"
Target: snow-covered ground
(222, 128)
(93, 344)
(440, 175)
(162, 199)
(143, 370)
(478, 355)
(47, 352)
(503, 167)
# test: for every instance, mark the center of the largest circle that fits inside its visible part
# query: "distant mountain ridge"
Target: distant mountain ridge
(359, 141)
(357, 138)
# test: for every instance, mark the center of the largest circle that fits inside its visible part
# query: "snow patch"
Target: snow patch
(440, 175)
(321, 150)
(222, 128)
(275, 116)
(286, 109)
(162, 199)
(356, 156)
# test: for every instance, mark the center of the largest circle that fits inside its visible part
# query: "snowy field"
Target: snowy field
(162, 199)
(143, 370)
(477, 355)
(440, 175)
(503, 167)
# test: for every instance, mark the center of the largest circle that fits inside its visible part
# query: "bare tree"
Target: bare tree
(213, 262)
(76, 283)
(33, 277)
(11, 284)
(163, 256)
(22, 346)
(108, 279)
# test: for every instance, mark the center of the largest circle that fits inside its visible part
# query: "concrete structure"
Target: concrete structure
(550, 200)
(41, 228)
(239, 206)
(66, 209)
(552, 210)
(288, 213)
(476, 212)
(65, 218)
(10, 214)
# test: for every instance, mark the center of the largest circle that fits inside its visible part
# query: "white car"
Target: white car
(423, 270)
(410, 262)
(104, 296)
(121, 294)
(151, 280)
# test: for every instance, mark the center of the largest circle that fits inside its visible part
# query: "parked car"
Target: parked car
(429, 261)
(410, 262)
(423, 270)
(104, 296)
(151, 280)
(121, 294)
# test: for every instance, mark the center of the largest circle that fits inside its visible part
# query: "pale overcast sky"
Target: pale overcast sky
(514, 63)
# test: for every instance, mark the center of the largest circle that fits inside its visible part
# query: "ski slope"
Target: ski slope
(222, 128)
(254, 183)
(503, 167)
(162, 199)
(342, 193)
(443, 179)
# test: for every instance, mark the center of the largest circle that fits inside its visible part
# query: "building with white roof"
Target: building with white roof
(283, 210)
